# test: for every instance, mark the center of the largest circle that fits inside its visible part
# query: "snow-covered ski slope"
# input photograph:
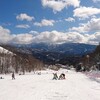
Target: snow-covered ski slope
(77, 86)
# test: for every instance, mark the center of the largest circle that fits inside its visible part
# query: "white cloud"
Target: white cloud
(24, 16)
(94, 38)
(60, 37)
(48, 37)
(34, 33)
(70, 19)
(23, 26)
(72, 37)
(45, 22)
(76, 37)
(92, 25)
(85, 12)
(95, 1)
(59, 5)
(78, 29)
(24, 38)
(5, 35)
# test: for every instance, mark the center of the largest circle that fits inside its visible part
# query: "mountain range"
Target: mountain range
(57, 53)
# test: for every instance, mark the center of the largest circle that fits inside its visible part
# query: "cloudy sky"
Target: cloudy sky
(50, 21)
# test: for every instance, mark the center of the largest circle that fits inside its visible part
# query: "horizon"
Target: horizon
(12, 44)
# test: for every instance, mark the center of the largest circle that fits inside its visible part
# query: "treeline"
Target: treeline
(90, 61)
(18, 62)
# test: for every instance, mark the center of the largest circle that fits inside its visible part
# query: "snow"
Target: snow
(76, 86)
(2, 50)
(93, 75)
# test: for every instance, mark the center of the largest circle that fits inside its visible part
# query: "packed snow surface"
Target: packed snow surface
(76, 86)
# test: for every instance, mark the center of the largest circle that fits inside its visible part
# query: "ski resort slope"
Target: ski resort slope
(77, 86)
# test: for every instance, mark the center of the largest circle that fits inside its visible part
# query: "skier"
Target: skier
(55, 76)
(13, 76)
(62, 76)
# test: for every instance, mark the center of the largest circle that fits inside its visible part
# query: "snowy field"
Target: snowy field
(77, 86)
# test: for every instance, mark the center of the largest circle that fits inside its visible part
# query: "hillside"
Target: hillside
(13, 60)
(92, 60)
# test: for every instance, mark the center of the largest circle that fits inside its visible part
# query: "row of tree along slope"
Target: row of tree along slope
(13, 59)
(91, 61)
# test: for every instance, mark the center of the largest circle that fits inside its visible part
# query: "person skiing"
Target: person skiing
(62, 76)
(55, 76)
(13, 76)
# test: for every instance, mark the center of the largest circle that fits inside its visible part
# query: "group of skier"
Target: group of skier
(55, 76)
(61, 77)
